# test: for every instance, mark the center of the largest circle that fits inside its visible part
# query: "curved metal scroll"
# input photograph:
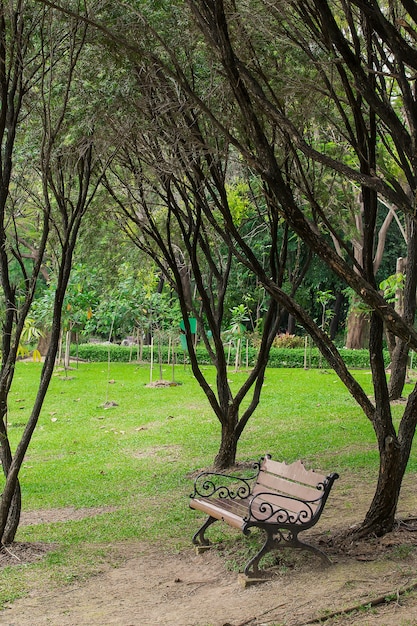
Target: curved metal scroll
(208, 484)
(262, 510)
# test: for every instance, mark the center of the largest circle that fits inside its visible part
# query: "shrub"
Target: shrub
(285, 340)
(279, 357)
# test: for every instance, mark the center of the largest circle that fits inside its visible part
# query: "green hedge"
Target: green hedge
(279, 357)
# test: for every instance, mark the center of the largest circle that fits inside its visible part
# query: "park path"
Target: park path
(155, 588)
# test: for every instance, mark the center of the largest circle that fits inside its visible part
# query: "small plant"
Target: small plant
(324, 298)
(286, 340)
(237, 326)
(237, 329)
(30, 334)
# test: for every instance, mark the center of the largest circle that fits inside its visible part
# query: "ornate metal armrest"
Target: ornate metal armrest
(208, 484)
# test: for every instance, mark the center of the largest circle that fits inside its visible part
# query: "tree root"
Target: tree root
(385, 599)
(9, 552)
(344, 539)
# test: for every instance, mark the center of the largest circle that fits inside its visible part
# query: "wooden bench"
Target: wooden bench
(283, 500)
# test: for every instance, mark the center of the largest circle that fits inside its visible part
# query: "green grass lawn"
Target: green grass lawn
(138, 455)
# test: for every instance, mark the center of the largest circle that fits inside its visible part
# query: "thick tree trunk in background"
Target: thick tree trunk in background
(291, 325)
(43, 343)
(337, 313)
(357, 330)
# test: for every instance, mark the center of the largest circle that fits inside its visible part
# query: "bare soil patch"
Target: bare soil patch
(21, 553)
(162, 383)
(372, 583)
(65, 514)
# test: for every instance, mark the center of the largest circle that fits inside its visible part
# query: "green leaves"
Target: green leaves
(392, 285)
(238, 199)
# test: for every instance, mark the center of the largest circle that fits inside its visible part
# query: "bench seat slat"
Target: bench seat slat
(234, 512)
(230, 511)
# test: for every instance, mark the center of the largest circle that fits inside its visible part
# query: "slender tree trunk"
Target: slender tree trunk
(9, 515)
(380, 516)
(10, 498)
(407, 308)
(398, 370)
(13, 517)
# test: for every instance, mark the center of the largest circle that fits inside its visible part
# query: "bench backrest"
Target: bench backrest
(282, 488)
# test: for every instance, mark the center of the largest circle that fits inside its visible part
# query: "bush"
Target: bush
(279, 357)
(285, 340)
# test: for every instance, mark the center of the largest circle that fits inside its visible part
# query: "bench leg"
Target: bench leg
(277, 539)
(252, 566)
(306, 546)
(199, 538)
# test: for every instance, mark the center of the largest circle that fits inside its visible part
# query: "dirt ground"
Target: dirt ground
(369, 584)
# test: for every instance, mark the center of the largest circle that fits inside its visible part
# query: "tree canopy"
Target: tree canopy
(272, 140)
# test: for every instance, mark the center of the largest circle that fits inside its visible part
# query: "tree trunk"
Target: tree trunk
(381, 514)
(13, 517)
(291, 325)
(9, 515)
(391, 343)
(43, 343)
(357, 330)
(407, 307)
(337, 313)
(398, 370)
(226, 456)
